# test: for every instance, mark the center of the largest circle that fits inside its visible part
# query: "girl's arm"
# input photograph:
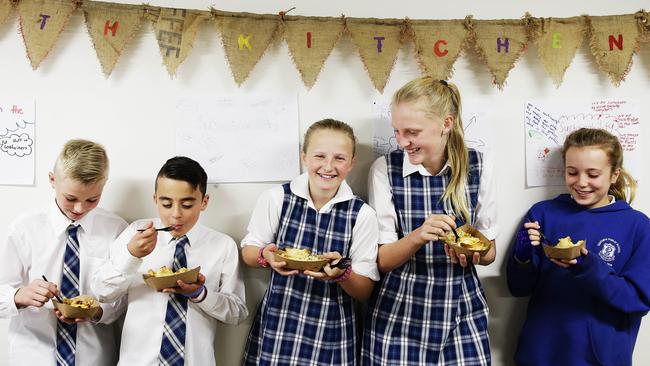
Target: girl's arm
(395, 254)
(629, 290)
(522, 268)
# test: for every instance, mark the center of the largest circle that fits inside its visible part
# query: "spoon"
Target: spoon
(168, 228)
(343, 263)
(452, 228)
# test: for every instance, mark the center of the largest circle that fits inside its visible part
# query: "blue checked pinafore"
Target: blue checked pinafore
(429, 311)
(303, 321)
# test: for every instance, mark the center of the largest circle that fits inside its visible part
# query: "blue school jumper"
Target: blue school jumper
(590, 313)
(429, 311)
(304, 321)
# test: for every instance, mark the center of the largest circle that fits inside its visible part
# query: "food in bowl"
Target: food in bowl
(165, 271)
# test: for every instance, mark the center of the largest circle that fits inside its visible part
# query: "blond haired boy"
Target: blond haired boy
(65, 242)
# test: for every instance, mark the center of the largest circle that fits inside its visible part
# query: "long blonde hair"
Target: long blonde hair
(84, 161)
(441, 99)
(625, 186)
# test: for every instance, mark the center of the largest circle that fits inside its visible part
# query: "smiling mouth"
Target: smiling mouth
(582, 193)
(412, 151)
(327, 176)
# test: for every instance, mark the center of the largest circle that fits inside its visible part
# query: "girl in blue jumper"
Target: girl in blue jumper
(586, 310)
(429, 308)
(308, 318)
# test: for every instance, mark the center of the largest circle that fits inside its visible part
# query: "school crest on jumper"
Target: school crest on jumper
(607, 249)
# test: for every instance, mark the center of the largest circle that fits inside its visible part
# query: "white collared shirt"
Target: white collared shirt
(35, 246)
(218, 256)
(265, 222)
(380, 196)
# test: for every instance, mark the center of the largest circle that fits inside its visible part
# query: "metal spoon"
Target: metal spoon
(343, 263)
(168, 228)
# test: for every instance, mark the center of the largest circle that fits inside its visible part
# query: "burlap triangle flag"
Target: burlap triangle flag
(245, 39)
(41, 22)
(499, 43)
(438, 43)
(378, 42)
(557, 44)
(111, 26)
(614, 39)
(175, 31)
(5, 9)
(310, 41)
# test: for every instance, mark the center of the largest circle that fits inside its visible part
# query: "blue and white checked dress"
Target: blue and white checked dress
(429, 311)
(301, 320)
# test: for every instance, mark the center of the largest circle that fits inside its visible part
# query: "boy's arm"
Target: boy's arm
(226, 299)
(12, 274)
(111, 281)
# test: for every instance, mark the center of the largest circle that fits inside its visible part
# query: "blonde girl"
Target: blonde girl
(587, 310)
(429, 306)
(307, 318)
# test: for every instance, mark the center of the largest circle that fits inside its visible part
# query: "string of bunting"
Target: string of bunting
(613, 39)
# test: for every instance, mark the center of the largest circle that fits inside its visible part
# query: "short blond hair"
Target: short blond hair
(84, 161)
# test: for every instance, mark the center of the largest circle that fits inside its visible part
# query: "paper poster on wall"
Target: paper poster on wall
(240, 138)
(547, 123)
(475, 125)
(17, 141)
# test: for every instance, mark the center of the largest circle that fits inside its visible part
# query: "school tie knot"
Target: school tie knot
(180, 260)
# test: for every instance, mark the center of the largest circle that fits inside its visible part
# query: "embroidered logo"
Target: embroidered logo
(608, 249)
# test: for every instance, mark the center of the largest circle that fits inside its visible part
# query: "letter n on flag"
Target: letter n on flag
(614, 39)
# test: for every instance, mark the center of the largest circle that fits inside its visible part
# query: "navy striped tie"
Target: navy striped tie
(172, 348)
(66, 334)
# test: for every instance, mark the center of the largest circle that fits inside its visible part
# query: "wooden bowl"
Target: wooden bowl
(159, 283)
(301, 265)
(73, 312)
(564, 253)
(459, 249)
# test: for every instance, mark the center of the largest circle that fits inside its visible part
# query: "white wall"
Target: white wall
(130, 114)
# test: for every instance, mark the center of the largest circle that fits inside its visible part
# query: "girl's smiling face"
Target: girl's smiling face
(328, 159)
(588, 175)
(421, 136)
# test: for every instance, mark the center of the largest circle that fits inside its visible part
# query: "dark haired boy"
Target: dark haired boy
(177, 325)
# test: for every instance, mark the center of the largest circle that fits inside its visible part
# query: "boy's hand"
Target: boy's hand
(36, 294)
(143, 242)
(77, 320)
(186, 288)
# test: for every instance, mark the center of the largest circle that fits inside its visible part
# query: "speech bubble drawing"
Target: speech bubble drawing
(17, 145)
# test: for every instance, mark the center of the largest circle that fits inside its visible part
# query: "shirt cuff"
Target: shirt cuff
(8, 303)
(125, 262)
(387, 237)
(366, 270)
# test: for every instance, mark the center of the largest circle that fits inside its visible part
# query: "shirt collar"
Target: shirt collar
(408, 168)
(300, 187)
(61, 222)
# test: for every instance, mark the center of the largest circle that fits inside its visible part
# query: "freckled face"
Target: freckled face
(588, 175)
(75, 199)
(179, 205)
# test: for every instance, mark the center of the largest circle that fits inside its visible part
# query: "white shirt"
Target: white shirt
(381, 197)
(142, 332)
(35, 246)
(265, 222)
